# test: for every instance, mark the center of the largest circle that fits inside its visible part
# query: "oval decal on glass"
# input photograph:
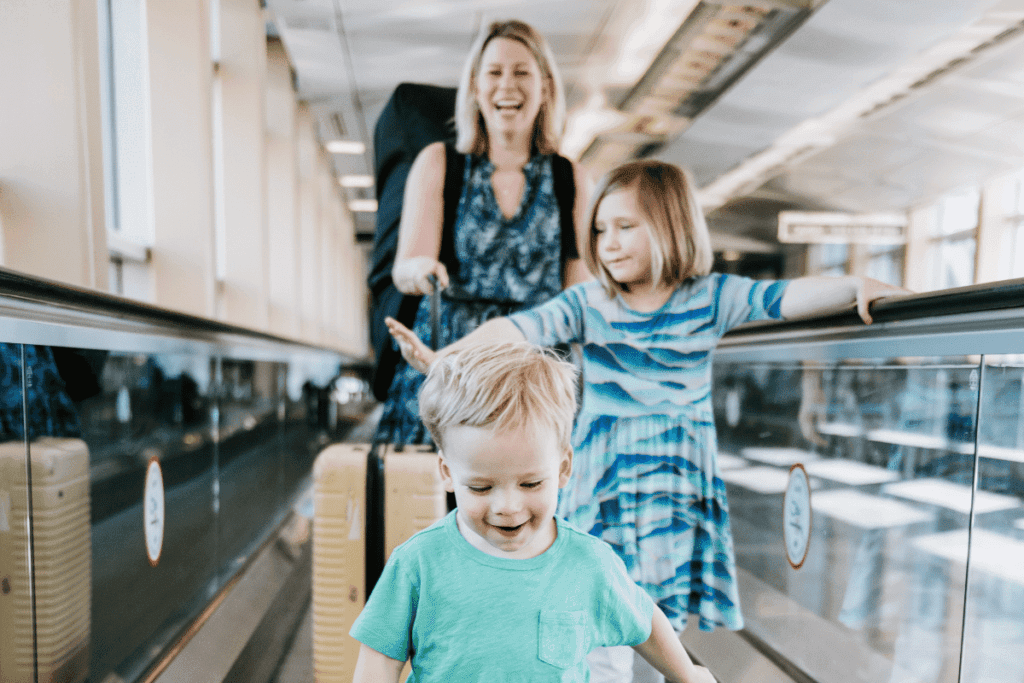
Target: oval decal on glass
(796, 516)
(153, 511)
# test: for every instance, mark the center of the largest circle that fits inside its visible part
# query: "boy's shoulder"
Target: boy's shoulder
(425, 541)
(583, 544)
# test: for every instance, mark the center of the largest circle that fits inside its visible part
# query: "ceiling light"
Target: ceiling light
(708, 52)
(356, 181)
(345, 147)
(363, 205)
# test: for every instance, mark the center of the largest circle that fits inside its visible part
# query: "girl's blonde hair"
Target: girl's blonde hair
(501, 386)
(680, 243)
(471, 136)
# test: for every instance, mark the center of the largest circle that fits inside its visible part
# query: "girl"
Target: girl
(646, 477)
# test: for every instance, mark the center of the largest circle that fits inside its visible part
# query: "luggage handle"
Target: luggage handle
(435, 312)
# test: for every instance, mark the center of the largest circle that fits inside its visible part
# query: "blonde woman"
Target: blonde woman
(512, 245)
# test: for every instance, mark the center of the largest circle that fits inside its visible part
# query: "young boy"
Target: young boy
(501, 590)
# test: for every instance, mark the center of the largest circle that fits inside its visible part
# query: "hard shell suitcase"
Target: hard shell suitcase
(61, 562)
(339, 560)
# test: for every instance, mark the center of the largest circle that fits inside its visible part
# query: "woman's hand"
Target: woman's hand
(412, 275)
(416, 353)
(872, 290)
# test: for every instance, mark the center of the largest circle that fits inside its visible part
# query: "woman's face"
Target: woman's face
(509, 87)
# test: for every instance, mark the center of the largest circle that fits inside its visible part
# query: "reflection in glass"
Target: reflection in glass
(889, 447)
(994, 620)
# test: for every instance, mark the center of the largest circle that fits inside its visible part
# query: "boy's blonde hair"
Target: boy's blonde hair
(501, 386)
(471, 137)
(680, 243)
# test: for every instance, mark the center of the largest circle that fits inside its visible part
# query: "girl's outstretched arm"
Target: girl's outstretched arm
(664, 652)
(420, 356)
(812, 295)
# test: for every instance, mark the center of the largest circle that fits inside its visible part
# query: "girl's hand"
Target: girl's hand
(416, 353)
(871, 290)
(412, 275)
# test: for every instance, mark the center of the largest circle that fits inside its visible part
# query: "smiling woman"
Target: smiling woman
(514, 235)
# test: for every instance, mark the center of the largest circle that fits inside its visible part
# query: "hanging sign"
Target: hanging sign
(824, 227)
(796, 516)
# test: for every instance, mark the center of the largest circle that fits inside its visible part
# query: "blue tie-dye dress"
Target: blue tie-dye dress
(645, 476)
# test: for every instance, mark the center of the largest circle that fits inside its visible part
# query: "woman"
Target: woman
(509, 114)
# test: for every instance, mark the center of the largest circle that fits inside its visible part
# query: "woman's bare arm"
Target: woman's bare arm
(419, 232)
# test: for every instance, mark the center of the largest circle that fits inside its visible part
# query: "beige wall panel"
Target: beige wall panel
(180, 91)
(51, 163)
(309, 227)
(242, 76)
(282, 198)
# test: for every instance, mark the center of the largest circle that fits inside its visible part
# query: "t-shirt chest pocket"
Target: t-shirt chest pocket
(564, 638)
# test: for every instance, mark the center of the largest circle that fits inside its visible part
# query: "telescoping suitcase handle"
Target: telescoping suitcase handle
(435, 312)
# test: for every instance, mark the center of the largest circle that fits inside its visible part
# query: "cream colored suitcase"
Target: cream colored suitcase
(414, 497)
(339, 559)
(62, 562)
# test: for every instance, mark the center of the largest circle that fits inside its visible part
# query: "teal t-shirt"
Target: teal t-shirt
(464, 615)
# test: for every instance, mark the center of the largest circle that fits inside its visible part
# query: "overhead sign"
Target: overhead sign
(825, 227)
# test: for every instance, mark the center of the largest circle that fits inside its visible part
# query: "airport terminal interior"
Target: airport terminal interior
(192, 208)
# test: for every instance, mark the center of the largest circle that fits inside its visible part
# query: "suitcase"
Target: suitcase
(414, 496)
(339, 558)
(62, 561)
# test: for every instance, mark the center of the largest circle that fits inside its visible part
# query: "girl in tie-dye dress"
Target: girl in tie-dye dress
(645, 476)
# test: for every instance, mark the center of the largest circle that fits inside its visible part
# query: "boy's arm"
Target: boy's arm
(664, 652)
(374, 667)
(810, 295)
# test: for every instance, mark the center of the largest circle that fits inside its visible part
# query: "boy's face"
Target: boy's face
(506, 486)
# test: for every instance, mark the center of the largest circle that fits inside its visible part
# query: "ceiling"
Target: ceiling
(857, 105)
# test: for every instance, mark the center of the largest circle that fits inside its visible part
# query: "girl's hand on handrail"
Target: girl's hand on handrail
(873, 290)
(416, 353)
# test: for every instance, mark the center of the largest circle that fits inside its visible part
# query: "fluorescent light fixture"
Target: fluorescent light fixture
(345, 147)
(356, 181)
(363, 205)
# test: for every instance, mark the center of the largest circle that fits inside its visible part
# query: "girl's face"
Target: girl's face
(624, 239)
(509, 87)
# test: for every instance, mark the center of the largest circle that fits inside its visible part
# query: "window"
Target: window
(885, 263)
(832, 259)
(127, 152)
(954, 240)
(1012, 247)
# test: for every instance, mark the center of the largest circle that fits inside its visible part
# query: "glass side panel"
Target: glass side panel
(17, 653)
(994, 622)
(249, 456)
(888, 447)
(137, 446)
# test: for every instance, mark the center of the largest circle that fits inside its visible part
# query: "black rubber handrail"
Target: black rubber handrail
(990, 296)
(38, 290)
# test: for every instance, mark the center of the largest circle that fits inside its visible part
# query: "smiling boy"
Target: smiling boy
(501, 590)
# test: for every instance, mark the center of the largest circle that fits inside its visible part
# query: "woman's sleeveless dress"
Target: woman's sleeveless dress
(505, 265)
(645, 475)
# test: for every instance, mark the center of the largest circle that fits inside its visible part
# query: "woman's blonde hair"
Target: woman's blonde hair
(471, 135)
(500, 386)
(680, 243)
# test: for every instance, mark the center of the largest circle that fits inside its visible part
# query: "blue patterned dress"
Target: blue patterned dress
(645, 476)
(505, 265)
